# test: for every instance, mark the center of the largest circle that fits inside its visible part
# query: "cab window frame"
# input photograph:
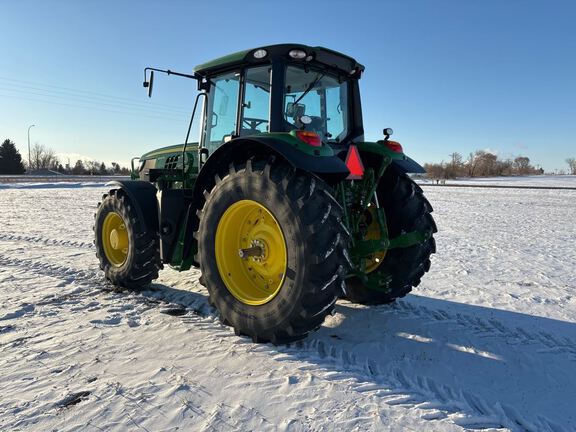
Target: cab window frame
(212, 146)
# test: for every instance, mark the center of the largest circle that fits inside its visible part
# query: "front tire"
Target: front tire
(293, 223)
(128, 253)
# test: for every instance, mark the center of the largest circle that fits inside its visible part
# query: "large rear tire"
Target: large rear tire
(406, 210)
(127, 251)
(289, 228)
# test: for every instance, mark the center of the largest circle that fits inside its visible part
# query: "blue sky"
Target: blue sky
(445, 75)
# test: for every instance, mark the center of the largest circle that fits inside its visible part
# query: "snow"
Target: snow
(53, 185)
(487, 341)
(534, 180)
(56, 181)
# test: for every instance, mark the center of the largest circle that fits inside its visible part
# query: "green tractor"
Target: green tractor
(282, 204)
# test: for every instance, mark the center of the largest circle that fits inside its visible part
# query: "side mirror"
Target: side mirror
(148, 84)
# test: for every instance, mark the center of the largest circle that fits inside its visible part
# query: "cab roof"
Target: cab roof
(319, 56)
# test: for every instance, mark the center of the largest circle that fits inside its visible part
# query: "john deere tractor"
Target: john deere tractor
(282, 204)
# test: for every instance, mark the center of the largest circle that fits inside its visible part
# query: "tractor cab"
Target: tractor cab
(309, 92)
(306, 97)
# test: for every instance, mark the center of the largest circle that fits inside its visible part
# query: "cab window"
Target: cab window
(320, 96)
(222, 110)
(256, 104)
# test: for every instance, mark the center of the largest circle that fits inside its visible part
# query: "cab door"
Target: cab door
(221, 123)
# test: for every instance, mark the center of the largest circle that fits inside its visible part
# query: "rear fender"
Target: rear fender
(398, 160)
(408, 165)
(320, 161)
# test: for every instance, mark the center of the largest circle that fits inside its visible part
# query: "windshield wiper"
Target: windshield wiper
(312, 85)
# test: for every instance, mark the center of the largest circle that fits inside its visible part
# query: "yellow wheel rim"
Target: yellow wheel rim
(373, 233)
(115, 239)
(251, 252)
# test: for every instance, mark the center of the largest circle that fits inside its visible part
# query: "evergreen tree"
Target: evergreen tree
(116, 168)
(79, 168)
(10, 159)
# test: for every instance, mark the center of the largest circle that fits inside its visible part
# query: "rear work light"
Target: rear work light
(354, 163)
(310, 138)
(394, 146)
(297, 54)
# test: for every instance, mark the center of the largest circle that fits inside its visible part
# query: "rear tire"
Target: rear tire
(315, 257)
(138, 265)
(406, 210)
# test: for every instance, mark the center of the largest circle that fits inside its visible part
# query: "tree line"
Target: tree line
(483, 163)
(478, 164)
(41, 157)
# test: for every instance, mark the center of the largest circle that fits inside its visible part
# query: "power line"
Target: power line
(88, 92)
(92, 99)
(173, 118)
(90, 102)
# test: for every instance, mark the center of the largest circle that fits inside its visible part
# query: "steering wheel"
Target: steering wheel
(253, 123)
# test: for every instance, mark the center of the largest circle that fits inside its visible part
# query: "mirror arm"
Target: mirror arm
(203, 83)
(169, 72)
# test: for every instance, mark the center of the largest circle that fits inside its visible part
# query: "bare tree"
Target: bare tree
(470, 165)
(572, 164)
(435, 171)
(93, 167)
(504, 168)
(482, 163)
(474, 162)
(43, 157)
(522, 165)
(486, 164)
(455, 167)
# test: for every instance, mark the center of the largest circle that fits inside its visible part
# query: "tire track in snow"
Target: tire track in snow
(92, 281)
(46, 241)
(396, 388)
(340, 365)
(552, 344)
(406, 392)
(477, 325)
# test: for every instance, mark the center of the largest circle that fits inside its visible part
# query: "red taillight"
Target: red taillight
(395, 146)
(310, 138)
(354, 163)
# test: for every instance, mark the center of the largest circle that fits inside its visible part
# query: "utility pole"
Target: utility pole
(29, 158)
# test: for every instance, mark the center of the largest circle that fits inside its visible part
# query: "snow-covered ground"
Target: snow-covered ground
(534, 181)
(487, 341)
(53, 185)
